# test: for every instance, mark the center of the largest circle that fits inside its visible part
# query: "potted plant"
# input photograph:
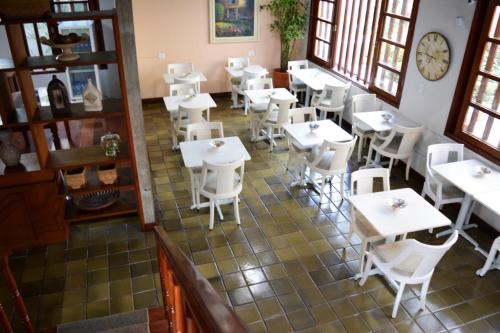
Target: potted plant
(289, 22)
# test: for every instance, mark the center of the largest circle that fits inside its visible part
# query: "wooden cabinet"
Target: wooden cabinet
(31, 215)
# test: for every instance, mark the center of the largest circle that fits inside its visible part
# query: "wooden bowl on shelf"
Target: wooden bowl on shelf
(65, 43)
(75, 178)
(96, 200)
(107, 174)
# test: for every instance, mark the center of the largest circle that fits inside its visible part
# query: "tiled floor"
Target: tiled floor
(282, 270)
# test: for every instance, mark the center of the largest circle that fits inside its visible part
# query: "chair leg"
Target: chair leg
(491, 257)
(193, 191)
(360, 148)
(234, 97)
(368, 266)
(398, 300)
(369, 157)
(364, 245)
(323, 184)
(342, 186)
(236, 210)
(340, 118)
(212, 206)
(408, 165)
(423, 294)
(271, 139)
(391, 162)
(219, 211)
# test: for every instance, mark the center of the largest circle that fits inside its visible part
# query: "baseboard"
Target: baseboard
(156, 100)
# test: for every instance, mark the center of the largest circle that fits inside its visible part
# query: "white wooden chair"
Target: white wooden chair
(179, 90)
(180, 68)
(237, 63)
(200, 131)
(296, 155)
(397, 145)
(256, 110)
(362, 182)
(296, 86)
(189, 116)
(362, 103)
(239, 89)
(435, 187)
(407, 262)
(222, 181)
(330, 160)
(331, 100)
(276, 115)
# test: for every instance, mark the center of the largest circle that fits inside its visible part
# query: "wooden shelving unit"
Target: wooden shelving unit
(47, 165)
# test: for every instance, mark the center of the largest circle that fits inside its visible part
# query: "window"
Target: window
(475, 117)
(366, 41)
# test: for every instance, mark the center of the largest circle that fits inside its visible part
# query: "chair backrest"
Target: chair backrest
(194, 115)
(248, 75)
(283, 106)
(225, 173)
(181, 68)
(364, 103)
(265, 83)
(409, 138)
(343, 151)
(203, 130)
(298, 115)
(182, 89)
(362, 180)
(294, 65)
(240, 62)
(421, 258)
(334, 95)
(440, 154)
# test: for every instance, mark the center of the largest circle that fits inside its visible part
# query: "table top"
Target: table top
(417, 215)
(305, 138)
(314, 78)
(198, 101)
(238, 72)
(170, 78)
(195, 152)
(465, 175)
(489, 199)
(375, 121)
(262, 96)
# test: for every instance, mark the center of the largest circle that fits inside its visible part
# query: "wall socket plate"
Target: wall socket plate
(161, 55)
(251, 53)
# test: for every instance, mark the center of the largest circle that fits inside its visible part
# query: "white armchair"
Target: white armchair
(296, 86)
(296, 155)
(239, 89)
(276, 115)
(407, 262)
(331, 100)
(362, 103)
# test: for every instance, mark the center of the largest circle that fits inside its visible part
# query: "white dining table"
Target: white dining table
(465, 176)
(238, 71)
(490, 200)
(375, 120)
(304, 138)
(263, 96)
(197, 101)
(315, 80)
(188, 77)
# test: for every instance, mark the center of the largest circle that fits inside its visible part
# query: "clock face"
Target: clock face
(433, 56)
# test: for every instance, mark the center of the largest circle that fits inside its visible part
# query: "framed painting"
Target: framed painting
(234, 21)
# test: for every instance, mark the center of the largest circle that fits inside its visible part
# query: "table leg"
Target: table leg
(307, 102)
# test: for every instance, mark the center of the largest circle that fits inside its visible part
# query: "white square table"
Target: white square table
(198, 101)
(388, 222)
(170, 78)
(304, 138)
(195, 152)
(465, 176)
(262, 96)
(238, 71)
(315, 80)
(375, 121)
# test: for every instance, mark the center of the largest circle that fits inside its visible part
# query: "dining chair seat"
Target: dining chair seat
(299, 86)
(211, 183)
(388, 252)
(364, 227)
(448, 189)
(326, 159)
(236, 80)
(392, 147)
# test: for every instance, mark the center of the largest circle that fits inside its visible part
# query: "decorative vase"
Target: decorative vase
(58, 97)
(75, 178)
(92, 98)
(280, 78)
(9, 153)
(107, 174)
(111, 144)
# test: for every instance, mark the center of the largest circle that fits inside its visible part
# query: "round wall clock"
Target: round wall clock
(433, 56)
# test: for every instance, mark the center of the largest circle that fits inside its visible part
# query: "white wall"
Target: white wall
(429, 102)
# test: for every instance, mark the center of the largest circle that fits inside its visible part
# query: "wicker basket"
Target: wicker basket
(75, 178)
(107, 174)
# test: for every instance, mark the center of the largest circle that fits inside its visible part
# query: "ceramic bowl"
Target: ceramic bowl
(387, 116)
(483, 170)
(398, 203)
(217, 143)
(313, 126)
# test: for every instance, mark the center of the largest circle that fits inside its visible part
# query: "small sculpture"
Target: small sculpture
(92, 98)
(111, 144)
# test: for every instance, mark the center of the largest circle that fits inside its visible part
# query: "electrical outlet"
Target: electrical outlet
(251, 53)
(161, 55)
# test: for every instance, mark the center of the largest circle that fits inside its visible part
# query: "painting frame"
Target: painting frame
(214, 39)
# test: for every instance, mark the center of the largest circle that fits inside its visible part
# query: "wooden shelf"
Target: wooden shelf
(125, 205)
(79, 157)
(91, 58)
(125, 182)
(17, 120)
(112, 107)
(59, 17)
